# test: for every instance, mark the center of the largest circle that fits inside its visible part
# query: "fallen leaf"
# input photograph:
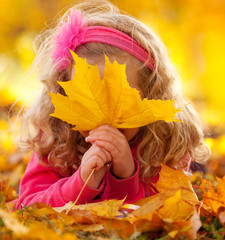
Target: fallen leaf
(91, 227)
(41, 231)
(107, 208)
(152, 203)
(221, 215)
(189, 227)
(195, 223)
(173, 234)
(171, 180)
(7, 192)
(213, 198)
(92, 101)
(11, 222)
(174, 209)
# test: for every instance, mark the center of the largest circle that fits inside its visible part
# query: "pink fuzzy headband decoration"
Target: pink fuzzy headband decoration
(75, 32)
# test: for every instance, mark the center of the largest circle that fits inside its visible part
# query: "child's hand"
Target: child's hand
(114, 142)
(95, 158)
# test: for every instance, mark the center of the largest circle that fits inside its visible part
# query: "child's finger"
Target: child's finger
(110, 138)
(106, 129)
(102, 153)
(108, 155)
(97, 162)
(93, 162)
(96, 150)
(108, 147)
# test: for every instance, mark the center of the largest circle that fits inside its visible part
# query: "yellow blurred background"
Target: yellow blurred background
(192, 30)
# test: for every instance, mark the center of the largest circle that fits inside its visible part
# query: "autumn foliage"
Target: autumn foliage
(193, 32)
(175, 213)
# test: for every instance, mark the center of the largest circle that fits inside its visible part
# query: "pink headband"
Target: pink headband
(75, 32)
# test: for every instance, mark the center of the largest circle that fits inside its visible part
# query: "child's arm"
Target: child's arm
(131, 188)
(44, 184)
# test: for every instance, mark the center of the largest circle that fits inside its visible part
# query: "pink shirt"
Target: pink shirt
(46, 185)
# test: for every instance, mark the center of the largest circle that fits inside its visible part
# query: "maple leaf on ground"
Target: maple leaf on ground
(92, 101)
(151, 204)
(213, 198)
(174, 209)
(188, 228)
(106, 208)
(175, 204)
(172, 180)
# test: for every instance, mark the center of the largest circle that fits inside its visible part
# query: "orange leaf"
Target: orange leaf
(189, 227)
(170, 181)
(11, 222)
(174, 209)
(221, 215)
(213, 198)
(146, 210)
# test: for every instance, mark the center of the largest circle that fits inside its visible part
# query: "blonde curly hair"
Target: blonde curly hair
(159, 142)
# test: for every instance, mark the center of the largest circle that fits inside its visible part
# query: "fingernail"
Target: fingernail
(88, 139)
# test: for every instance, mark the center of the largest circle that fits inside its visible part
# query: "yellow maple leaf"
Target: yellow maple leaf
(171, 180)
(149, 207)
(92, 101)
(174, 208)
(106, 208)
(175, 190)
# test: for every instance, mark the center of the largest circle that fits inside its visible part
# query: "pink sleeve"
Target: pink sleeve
(44, 184)
(131, 187)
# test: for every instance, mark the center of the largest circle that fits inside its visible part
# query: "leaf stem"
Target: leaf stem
(80, 191)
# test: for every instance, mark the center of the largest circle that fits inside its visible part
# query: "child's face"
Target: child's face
(131, 73)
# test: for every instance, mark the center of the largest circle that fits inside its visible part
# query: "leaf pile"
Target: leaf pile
(173, 213)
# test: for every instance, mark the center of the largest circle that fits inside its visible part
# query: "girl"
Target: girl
(62, 158)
